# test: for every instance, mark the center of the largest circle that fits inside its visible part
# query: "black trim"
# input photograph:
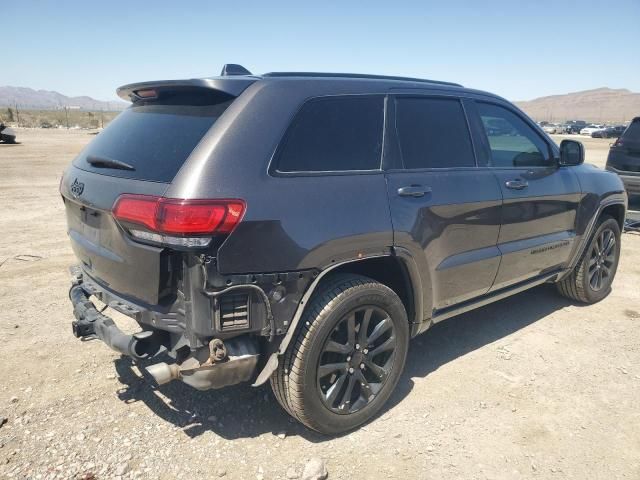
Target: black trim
(443, 314)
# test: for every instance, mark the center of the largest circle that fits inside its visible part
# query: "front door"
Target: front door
(540, 198)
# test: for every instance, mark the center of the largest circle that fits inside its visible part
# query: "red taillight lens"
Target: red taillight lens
(180, 217)
(140, 209)
(192, 217)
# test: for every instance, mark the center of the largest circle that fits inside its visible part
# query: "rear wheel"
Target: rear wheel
(347, 357)
(591, 279)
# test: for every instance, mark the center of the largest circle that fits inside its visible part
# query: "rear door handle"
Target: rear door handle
(516, 184)
(413, 191)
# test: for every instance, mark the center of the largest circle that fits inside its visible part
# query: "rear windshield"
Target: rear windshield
(151, 141)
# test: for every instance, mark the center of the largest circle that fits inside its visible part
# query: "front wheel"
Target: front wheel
(347, 356)
(592, 277)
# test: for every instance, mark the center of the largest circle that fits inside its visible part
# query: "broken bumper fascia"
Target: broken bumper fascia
(202, 369)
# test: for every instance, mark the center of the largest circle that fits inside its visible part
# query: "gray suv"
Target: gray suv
(300, 228)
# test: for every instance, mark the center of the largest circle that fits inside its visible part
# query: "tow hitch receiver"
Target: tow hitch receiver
(91, 323)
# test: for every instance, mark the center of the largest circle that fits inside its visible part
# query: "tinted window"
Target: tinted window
(632, 132)
(513, 143)
(334, 133)
(155, 139)
(433, 133)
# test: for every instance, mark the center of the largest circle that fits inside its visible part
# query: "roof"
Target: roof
(358, 76)
(234, 79)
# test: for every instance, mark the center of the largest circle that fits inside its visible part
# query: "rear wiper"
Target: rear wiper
(104, 162)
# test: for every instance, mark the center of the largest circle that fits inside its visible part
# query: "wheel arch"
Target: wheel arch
(403, 275)
(396, 272)
(615, 210)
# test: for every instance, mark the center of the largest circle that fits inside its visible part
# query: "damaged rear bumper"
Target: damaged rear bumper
(219, 364)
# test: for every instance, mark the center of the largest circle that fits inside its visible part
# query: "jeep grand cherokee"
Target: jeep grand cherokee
(302, 227)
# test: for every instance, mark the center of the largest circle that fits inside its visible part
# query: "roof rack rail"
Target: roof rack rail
(357, 75)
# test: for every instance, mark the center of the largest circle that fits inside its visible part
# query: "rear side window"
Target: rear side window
(513, 143)
(155, 138)
(633, 131)
(433, 133)
(334, 134)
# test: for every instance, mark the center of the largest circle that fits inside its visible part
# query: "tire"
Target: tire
(307, 382)
(581, 285)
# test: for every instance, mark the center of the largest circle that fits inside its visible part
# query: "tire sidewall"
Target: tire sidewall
(375, 295)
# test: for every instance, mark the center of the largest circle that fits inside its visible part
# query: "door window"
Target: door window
(433, 133)
(334, 134)
(512, 142)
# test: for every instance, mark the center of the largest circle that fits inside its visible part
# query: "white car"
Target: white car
(589, 129)
(553, 128)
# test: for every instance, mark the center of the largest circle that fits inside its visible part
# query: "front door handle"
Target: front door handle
(413, 191)
(516, 184)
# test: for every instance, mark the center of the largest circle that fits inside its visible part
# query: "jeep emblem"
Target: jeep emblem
(77, 188)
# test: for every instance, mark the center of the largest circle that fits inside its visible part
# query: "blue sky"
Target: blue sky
(518, 49)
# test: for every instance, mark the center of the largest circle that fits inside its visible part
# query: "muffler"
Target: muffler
(205, 370)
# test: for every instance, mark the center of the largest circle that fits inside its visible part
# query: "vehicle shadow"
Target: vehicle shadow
(244, 412)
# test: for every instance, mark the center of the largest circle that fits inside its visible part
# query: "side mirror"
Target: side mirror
(571, 153)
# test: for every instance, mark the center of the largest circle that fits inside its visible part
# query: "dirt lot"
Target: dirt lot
(531, 387)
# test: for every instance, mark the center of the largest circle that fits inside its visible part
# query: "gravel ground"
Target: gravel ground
(530, 387)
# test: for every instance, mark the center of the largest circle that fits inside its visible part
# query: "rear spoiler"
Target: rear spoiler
(234, 86)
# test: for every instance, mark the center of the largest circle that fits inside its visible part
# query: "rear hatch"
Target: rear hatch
(624, 155)
(139, 152)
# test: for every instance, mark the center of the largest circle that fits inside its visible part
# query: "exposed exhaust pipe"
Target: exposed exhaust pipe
(164, 373)
(204, 369)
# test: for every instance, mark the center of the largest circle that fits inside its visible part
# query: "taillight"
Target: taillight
(178, 222)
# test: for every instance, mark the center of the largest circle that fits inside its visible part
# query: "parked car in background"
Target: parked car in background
(7, 135)
(554, 128)
(624, 157)
(589, 129)
(574, 126)
(609, 132)
(498, 126)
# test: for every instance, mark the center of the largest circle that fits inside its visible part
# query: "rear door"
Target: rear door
(540, 198)
(139, 152)
(445, 210)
